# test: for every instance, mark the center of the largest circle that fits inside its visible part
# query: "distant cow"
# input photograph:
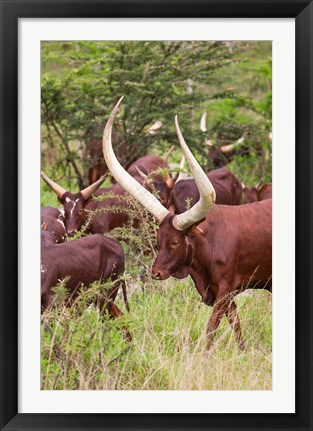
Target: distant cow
(225, 249)
(93, 150)
(93, 153)
(257, 193)
(53, 222)
(227, 187)
(84, 261)
(147, 168)
(221, 155)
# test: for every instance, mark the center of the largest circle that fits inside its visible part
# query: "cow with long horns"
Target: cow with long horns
(105, 209)
(225, 249)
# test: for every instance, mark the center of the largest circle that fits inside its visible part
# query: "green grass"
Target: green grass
(83, 350)
(167, 322)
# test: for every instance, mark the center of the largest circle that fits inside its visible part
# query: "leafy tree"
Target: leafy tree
(81, 82)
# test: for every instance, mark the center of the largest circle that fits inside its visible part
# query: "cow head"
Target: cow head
(175, 248)
(251, 194)
(74, 204)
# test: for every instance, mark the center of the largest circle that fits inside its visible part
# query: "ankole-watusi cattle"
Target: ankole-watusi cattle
(227, 187)
(84, 261)
(99, 211)
(88, 205)
(257, 193)
(53, 222)
(105, 209)
(225, 249)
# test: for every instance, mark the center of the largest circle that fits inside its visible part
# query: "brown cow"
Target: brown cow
(225, 249)
(160, 183)
(92, 153)
(222, 155)
(227, 187)
(84, 261)
(52, 221)
(257, 193)
(99, 211)
(78, 207)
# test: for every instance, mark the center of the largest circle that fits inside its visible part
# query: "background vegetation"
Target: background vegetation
(81, 82)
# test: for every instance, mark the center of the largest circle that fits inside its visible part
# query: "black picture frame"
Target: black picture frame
(11, 11)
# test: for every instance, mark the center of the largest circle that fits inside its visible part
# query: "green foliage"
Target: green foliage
(81, 82)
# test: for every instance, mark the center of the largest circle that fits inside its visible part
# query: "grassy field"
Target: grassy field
(86, 351)
(81, 349)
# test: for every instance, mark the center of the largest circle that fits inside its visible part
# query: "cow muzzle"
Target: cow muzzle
(158, 274)
(71, 232)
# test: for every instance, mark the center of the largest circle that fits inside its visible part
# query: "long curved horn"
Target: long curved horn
(227, 148)
(206, 189)
(125, 180)
(181, 167)
(167, 156)
(88, 191)
(58, 190)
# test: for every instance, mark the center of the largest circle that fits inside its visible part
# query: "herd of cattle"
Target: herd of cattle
(212, 228)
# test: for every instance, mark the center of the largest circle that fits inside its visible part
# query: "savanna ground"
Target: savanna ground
(82, 349)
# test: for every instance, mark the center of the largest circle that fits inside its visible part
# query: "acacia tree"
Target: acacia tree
(81, 82)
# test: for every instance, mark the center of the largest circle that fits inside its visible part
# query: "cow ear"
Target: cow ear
(172, 209)
(195, 229)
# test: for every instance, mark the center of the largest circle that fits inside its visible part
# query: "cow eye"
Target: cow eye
(175, 243)
(80, 212)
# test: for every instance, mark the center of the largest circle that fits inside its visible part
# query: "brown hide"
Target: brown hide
(103, 218)
(148, 164)
(161, 184)
(53, 221)
(230, 251)
(85, 261)
(47, 238)
(108, 213)
(255, 194)
(96, 214)
(265, 192)
(227, 187)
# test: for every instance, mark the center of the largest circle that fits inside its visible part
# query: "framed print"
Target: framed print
(239, 79)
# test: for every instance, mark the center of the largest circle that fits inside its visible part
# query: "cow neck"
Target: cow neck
(200, 267)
